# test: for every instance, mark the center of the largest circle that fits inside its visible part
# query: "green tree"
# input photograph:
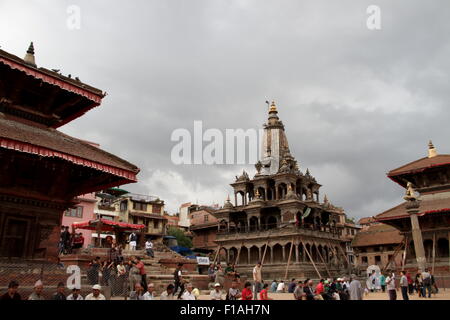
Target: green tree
(350, 220)
(182, 239)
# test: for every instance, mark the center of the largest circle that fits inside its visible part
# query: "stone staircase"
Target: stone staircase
(161, 268)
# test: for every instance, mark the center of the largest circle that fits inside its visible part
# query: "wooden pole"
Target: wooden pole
(394, 255)
(289, 259)
(217, 253)
(264, 254)
(434, 253)
(237, 256)
(405, 253)
(309, 256)
(323, 260)
(99, 226)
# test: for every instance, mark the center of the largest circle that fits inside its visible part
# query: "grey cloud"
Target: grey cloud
(356, 103)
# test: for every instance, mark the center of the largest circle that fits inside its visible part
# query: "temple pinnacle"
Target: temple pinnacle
(29, 57)
(431, 150)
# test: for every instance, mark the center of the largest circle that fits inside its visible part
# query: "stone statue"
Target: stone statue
(410, 192)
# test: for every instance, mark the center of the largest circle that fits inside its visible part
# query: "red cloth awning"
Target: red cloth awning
(107, 225)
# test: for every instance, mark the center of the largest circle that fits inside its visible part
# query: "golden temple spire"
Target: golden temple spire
(431, 150)
(273, 107)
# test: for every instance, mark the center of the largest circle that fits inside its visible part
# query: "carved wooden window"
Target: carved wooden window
(76, 212)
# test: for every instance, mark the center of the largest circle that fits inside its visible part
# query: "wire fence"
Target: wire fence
(114, 284)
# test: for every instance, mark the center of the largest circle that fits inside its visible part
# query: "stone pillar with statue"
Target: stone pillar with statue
(412, 207)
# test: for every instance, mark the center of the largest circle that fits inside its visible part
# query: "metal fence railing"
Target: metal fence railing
(113, 284)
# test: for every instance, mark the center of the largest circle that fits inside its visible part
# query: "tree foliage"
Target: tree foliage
(182, 239)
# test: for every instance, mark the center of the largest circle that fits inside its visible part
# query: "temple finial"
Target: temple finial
(29, 57)
(273, 107)
(431, 150)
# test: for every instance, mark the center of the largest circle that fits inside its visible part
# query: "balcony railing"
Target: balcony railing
(274, 229)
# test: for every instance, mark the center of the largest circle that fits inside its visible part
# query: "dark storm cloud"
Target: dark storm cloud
(356, 103)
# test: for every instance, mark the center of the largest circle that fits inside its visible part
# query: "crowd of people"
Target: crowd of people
(69, 242)
(128, 278)
(423, 284)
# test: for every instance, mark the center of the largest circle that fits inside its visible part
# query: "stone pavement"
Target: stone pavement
(442, 295)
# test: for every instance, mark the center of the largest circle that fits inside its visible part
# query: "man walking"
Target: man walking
(404, 285)
(426, 281)
(390, 281)
(178, 279)
(149, 248)
(355, 289)
(140, 265)
(383, 282)
(257, 279)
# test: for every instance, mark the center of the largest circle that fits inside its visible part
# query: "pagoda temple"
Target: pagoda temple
(277, 217)
(430, 177)
(43, 170)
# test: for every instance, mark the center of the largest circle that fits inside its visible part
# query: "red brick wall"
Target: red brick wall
(204, 238)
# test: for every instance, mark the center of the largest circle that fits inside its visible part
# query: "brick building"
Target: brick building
(143, 209)
(376, 244)
(204, 227)
(83, 210)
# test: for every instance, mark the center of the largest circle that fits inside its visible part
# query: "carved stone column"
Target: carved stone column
(271, 254)
(412, 207)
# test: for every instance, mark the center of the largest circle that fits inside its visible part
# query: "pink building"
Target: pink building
(83, 211)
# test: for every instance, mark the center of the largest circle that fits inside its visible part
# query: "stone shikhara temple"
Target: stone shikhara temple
(279, 219)
(42, 170)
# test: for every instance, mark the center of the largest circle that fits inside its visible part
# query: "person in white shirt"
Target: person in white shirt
(132, 240)
(216, 294)
(188, 294)
(257, 279)
(95, 295)
(280, 287)
(149, 248)
(168, 294)
(390, 284)
(75, 295)
(150, 294)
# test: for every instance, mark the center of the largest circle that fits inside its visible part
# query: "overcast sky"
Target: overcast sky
(355, 102)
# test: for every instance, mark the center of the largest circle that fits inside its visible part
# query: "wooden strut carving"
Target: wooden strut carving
(310, 259)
